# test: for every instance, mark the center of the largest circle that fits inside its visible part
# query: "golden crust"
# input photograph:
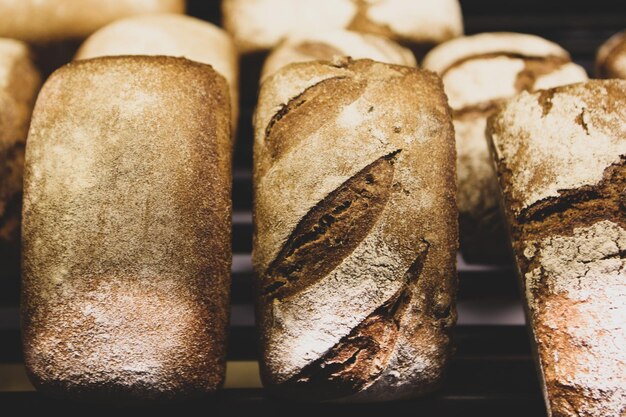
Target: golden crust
(42, 21)
(127, 230)
(611, 58)
(340, 151)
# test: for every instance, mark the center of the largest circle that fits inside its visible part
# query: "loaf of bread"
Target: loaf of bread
(611, 59)
(355, 231)
(126, 234)
(478, 72)
(258, 25)
(328, 45)
(560, 156)
(19, 83)
(42, 21)
(169, 34)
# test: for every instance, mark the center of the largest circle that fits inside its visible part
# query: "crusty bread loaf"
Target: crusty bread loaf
(479, 72)
(19, 83)
(327, 45)
(355, 230)
(560, 155)
(126, 237)
(258, 25)
(173, 35)
(611, 59)
(42, 21)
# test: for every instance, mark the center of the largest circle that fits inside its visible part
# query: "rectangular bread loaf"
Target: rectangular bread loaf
(355, 231)
(126, 233)
(19, 83)
(560, 157)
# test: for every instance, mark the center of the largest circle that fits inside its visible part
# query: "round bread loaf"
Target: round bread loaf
(336, 43)
(169, 34)
(611, 59)
(258, 25)
(355, 231)
(126, 236)
(479, 72)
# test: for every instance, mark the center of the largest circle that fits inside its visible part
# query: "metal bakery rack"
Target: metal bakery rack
(492, 372)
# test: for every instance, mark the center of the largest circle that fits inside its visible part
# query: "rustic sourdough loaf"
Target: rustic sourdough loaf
(327, 45)
(355, 230)
(611, 59)
(19, 83)
(258, 25)
(479, 72)
(560, 156)
(42, 21)
(126, 233)
(169, 34)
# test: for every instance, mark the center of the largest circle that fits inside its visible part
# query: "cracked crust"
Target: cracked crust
(170, 35)
(127, 231)
(479, 72)
(570, 245)
(326, 46)
(258, 25)
(344, 145)
(611, 58)
(19, 83)
(43, 21)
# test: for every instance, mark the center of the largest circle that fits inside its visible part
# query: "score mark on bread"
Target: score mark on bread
(361, 357)
(331, 230)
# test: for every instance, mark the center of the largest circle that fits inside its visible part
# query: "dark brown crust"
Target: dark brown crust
(330, 231)
(362, 356)
(126, 298)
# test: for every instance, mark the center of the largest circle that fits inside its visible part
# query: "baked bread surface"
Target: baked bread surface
(478, 73)
(355, 231)
(43, 21)
(19, 83)
(560, 157)
(328, 45)
(258, 25)
(126, 236)
(611, 58)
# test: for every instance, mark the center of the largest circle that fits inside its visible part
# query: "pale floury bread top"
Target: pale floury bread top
(171, 35)
(483, 68)
(325, 46)
(611, 59)
(41, 21)
(259, 25)
(561, 128)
